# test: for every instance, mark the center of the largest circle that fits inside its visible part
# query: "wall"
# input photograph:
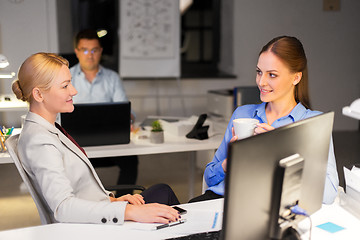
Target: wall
(65, 28)
(26, 27)
(183, 97)
(331, 41)
(227, 36)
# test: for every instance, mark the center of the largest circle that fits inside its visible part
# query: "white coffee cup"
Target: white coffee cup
(244, 127)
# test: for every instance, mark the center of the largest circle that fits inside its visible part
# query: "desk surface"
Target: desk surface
(172, 144)
(9, 103)
(336, 215)
(126, 231)
(144, 147)
(328, 213)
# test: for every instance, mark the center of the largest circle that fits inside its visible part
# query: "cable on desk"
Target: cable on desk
(299, 211)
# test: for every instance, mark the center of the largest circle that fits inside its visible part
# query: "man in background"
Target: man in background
(95, 84)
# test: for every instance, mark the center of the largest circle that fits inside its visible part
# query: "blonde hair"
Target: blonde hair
(38, 70)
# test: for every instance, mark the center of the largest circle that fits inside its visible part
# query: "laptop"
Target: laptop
(97, 124)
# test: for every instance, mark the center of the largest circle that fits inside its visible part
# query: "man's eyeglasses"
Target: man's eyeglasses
(87, 51)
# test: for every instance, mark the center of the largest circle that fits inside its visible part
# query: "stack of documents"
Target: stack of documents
(184, 126)
(193, 222)
(352, 199)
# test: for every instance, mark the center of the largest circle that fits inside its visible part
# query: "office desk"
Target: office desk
(172, 144)
(9, 103)
(127, 231)
(144, 147)
(328, 213)
(334, 214)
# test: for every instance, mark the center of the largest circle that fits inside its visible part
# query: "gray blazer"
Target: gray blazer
(64, 177)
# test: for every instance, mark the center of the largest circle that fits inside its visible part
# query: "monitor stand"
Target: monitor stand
(285, 193)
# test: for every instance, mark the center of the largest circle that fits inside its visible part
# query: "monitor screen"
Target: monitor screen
(98, 124)
(253, 165)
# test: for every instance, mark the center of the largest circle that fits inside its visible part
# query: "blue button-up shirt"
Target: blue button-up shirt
(106, 87)
(214, 174)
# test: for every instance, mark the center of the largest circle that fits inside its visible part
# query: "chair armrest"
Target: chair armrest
(124, 187)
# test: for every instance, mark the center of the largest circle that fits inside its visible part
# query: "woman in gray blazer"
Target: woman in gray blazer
(57, 166)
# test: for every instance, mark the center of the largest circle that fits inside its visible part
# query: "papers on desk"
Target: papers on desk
(351, 200)
(155, 226)
(194, 221)
(204, 220)
(184, 126)
(178, 126)
(352, 178)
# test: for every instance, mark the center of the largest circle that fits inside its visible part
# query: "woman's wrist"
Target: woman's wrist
(128, 212)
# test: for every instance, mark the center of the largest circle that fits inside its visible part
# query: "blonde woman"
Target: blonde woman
(59, 168)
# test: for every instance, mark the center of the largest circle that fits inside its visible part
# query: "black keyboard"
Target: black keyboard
(200, 236)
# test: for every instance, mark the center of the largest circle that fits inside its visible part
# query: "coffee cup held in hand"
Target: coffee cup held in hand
(244, 127)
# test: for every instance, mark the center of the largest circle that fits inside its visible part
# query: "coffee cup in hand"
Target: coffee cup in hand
(244, 127)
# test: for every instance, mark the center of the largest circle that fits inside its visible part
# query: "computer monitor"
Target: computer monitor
(253, 168)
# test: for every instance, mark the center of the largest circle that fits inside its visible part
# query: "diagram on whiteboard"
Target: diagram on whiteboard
(148, 29)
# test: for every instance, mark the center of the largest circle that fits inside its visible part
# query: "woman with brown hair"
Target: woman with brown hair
(282, 78)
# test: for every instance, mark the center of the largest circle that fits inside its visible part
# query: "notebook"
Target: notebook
(97, 124)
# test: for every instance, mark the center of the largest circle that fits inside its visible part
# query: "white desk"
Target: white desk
(9, 103)
(334, 214)
(62, 231)
(172, 144)
(328, 213)
(144, 147)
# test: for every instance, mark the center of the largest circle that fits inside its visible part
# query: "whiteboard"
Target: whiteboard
(149, 38)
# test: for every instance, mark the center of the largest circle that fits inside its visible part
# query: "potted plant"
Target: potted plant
(157, 132)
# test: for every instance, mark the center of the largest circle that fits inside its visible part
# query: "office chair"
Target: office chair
(204, 186)
(45, 213)
(125, 187)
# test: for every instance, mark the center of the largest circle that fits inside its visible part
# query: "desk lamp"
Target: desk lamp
(3, 64)
(6, 75)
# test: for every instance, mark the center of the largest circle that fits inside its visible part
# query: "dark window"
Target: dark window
(200, 39)
(200, 34)
(100, 14)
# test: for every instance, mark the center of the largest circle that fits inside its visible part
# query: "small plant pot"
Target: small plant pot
(157, 137)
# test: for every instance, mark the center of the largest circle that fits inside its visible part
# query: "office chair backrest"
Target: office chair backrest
(45, 215)
(204, 186)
